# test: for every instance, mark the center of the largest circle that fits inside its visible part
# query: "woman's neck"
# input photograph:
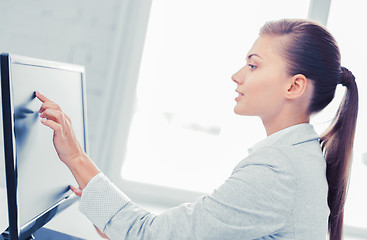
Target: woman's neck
(282, 121)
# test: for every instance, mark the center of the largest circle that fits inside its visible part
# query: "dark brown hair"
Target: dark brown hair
(309, 49)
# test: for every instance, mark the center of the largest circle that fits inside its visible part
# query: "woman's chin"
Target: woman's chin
(239, 111)
(243, 112)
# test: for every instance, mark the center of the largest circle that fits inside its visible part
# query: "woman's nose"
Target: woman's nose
(236, 79)
(239, 76)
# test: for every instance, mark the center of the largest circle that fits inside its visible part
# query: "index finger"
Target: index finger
(42, 97)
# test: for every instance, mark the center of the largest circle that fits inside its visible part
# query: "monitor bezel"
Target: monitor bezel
(15, 231)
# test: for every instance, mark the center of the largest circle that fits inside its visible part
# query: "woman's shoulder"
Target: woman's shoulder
(274, 157)
(297, 164)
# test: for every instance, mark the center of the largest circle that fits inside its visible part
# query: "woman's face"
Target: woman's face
(262, 82)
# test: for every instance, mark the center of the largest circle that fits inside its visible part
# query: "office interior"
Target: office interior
(159, 92)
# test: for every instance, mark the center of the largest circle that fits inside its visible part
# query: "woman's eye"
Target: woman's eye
(252, 67)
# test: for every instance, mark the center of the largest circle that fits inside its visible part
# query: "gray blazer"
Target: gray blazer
(278, 192)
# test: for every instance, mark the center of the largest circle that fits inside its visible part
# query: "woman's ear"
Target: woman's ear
(297, 86)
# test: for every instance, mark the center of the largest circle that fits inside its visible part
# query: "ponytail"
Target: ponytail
(336, 143)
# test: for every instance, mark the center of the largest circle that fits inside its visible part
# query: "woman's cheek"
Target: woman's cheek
(257, 97)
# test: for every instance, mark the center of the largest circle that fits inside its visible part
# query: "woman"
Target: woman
(293, 183)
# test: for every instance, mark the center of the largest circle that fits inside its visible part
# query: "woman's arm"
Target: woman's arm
(255, 201)
(67, 146)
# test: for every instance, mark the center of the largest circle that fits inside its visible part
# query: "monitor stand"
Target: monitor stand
(46, 234)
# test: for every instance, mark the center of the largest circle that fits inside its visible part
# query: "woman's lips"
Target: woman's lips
(240, 95)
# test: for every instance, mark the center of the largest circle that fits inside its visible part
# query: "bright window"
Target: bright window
(184, 133)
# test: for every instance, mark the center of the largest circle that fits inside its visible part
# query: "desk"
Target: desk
(73, 222)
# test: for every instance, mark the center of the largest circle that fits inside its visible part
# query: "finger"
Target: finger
(103, 235)
(47, 105)
(51, 124)
(42, 97)
(76, 190)
(54, 115)
(68, 119)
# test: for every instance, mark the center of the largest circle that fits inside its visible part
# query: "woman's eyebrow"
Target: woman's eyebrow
(253, 54)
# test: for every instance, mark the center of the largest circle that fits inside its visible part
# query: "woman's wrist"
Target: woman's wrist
(83, 169)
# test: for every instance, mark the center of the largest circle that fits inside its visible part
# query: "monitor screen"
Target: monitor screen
(41, 180)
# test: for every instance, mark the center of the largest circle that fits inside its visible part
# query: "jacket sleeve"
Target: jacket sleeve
(255, 201)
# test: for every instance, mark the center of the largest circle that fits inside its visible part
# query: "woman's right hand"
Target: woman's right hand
(67, 146)
(65, 142)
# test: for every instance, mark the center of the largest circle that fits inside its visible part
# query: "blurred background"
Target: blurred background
(159, 90)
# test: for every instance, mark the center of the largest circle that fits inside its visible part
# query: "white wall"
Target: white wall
(84, 32)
